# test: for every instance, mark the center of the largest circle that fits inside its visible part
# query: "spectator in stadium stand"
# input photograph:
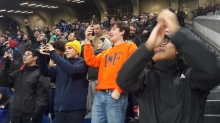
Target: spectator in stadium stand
(11, 58)
(60, 50)
(52, 35)
(80, 32)
(2, 51)
(35, 42)
(133, 37)
(93, 20)
(110, 102)
(93, 75)
(71, 83)
(170, 91)
(106, 21)
(58, 35)
(144, 28)
(4, 105)
(105, 31)
(25, 44)
(31, 90)
(98, 34)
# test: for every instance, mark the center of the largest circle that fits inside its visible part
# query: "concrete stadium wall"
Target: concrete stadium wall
(156, 5)
(192, 5)
(209, 26)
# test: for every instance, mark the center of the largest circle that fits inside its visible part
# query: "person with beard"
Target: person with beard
(36, 42)
(142, 26)
(58, 35)
(25, 44)
(4, 105)
(98, 34)
(133, 37)
(170, 91)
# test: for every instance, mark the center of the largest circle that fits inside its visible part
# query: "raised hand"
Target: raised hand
(170, 20)
(88, 34)
(43, 50)
(25, 21)
(156, 36)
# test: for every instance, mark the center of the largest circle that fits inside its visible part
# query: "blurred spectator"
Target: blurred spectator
(4, 105)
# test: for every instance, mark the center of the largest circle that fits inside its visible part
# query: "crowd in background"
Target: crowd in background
(82, 60)
(208, 10)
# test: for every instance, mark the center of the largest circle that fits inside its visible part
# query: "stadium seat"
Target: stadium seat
(87, 120)
(46, 119)
(54, 120)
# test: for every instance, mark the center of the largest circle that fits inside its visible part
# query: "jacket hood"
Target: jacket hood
(170, 66)
(106, 44)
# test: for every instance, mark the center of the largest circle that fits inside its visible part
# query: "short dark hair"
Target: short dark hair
(59, 45)
(59, 29)
(34, 52)
(123, 26)
(133, 25)
(105, 28)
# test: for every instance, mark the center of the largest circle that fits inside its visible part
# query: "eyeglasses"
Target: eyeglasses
(26, 55)
(165, 41)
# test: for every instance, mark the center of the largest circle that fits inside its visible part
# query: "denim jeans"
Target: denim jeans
(106, 109)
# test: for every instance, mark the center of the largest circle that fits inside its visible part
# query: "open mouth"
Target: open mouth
(159, 51)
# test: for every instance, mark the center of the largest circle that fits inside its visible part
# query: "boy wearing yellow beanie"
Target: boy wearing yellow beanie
(71, 83)
(75, 45)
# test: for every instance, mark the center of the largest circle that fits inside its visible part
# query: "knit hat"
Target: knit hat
(76, 45)
(12, 43)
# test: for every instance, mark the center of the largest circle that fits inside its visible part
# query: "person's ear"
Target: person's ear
(122, 32)
(35, 58)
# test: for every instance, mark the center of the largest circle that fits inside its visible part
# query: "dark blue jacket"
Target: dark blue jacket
(4, 105)
(71, 83)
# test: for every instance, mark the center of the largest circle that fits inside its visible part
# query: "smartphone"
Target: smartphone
(93, 33)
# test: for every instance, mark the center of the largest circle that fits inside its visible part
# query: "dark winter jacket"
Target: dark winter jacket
(31, 90)
(107, 24)
(81, 34)
(93, 72)
(136, 39)
(4, 105)
(71, 83)
(172, 92)
(24, 46)
(2, 50)
(34, 43)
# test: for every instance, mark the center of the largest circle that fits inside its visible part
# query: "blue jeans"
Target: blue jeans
(106, 109)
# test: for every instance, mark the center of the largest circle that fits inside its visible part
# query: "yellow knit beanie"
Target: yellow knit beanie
(76, 45)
